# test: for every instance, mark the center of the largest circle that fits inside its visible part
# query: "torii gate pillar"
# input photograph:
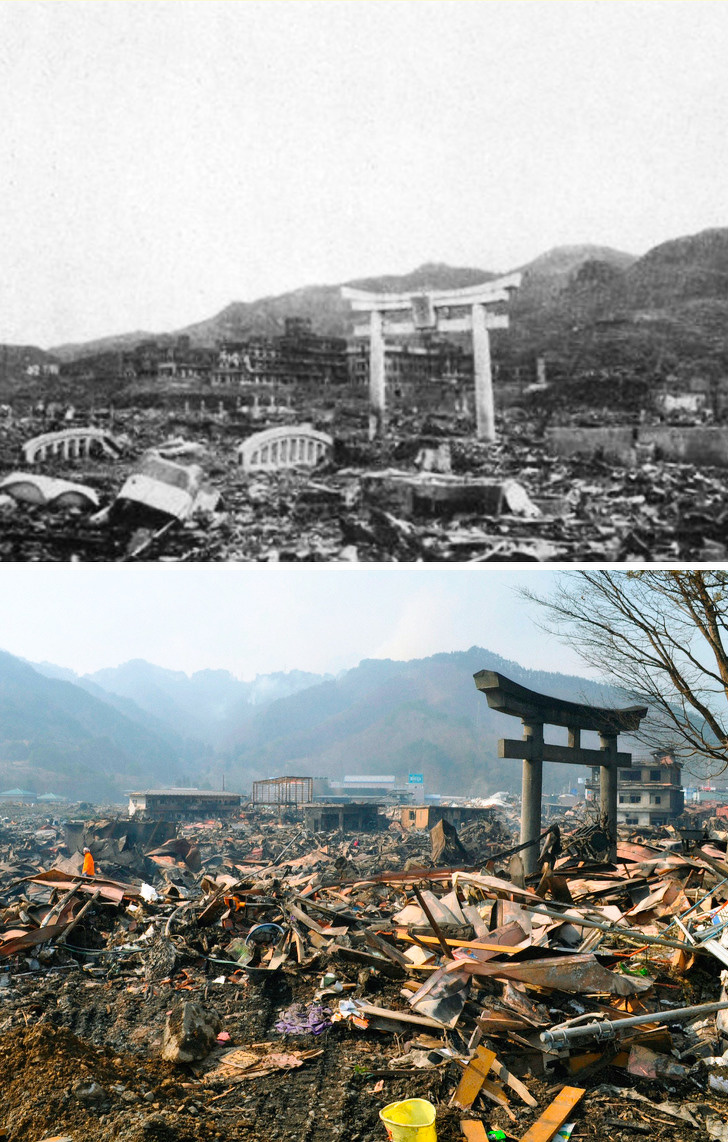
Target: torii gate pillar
(484, 405)
(537, 710)
(377, 375)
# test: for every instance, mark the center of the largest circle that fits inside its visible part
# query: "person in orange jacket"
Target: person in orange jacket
(89, 868)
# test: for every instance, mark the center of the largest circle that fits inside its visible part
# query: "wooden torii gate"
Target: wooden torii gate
(404, 314)
(535, 711)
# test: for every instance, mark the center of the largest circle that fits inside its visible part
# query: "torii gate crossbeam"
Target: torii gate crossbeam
(403, 314)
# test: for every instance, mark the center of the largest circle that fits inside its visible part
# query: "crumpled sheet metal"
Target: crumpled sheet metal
(578, 974)
(111, 890)
(17, 941)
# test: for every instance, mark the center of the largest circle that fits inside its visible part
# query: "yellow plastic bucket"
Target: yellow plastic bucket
(410, 1121)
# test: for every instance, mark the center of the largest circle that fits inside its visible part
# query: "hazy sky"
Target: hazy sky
(256, 620)
(159, 159)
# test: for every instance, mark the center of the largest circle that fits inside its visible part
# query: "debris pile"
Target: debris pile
(177, 491)
(251, 979)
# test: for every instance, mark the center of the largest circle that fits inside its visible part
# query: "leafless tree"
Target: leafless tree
(660, 637)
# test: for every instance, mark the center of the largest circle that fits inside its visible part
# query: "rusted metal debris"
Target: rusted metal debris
(466, 988)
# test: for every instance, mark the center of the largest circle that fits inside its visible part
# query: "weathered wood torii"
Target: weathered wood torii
(535, 711)
(404, 314)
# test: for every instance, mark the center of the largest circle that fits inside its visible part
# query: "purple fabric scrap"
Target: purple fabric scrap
(301, 1020)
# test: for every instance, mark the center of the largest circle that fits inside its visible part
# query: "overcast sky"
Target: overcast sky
(259, 619)
(160, 159)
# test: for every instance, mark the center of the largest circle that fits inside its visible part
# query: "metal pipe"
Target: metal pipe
(697, 903)
(612, 929)
(610, 1028)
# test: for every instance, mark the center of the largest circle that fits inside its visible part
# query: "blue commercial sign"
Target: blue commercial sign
(416, 778)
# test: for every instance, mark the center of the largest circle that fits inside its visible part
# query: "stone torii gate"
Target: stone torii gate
(404, 314)
(535, 711)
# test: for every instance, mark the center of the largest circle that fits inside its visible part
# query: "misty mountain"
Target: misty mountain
(663, 313)
(128, 725)
(394, 717)
(266, 317)
(202, 704)
(57, 737)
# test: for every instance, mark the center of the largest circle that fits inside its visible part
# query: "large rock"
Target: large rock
(160, 959)
(190, 1033)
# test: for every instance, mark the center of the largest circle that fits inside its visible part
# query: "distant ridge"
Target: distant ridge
(95, 736)
(584, 303)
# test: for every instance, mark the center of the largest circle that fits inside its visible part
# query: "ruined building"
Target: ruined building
(299, 356)
(650, 793)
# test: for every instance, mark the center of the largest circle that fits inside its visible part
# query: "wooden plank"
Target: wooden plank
(370, 1010)
(473, 1130)
(554, 1115)
(504, 949)
(308, 922)
(387, 950)
(473, 1078)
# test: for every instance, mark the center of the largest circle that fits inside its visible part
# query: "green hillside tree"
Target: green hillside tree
(661, 637)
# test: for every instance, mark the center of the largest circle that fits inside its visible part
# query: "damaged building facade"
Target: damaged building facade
(299, 356)
(650, 793)
(181, 804)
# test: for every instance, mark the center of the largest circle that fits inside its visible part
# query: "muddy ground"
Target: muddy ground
(80, 1055)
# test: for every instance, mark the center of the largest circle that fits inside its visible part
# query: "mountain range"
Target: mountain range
(543, 280)
(96, 736)
(583, 307)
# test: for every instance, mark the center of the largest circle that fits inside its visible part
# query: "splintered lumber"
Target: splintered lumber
(473, 1078)
(307, 922)
(370, 1011)
(479, 945)
(387, 949)
(515, 1084)
(56, 910)
(497, 1095)
(554, 1115)
(79, 916)
(431, 920)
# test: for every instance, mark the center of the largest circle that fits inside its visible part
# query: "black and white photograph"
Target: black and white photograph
(344, 281)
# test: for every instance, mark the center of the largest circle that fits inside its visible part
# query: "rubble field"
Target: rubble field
(249, 979)
(429, 493)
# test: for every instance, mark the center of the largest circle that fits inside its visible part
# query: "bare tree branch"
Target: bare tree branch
(660, 636)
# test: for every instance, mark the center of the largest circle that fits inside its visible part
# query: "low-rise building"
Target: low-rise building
(23, 796)
(181, 804)
(352, 817)
(410, 367)
(364, 786)
(300, 356)
(427, 816)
